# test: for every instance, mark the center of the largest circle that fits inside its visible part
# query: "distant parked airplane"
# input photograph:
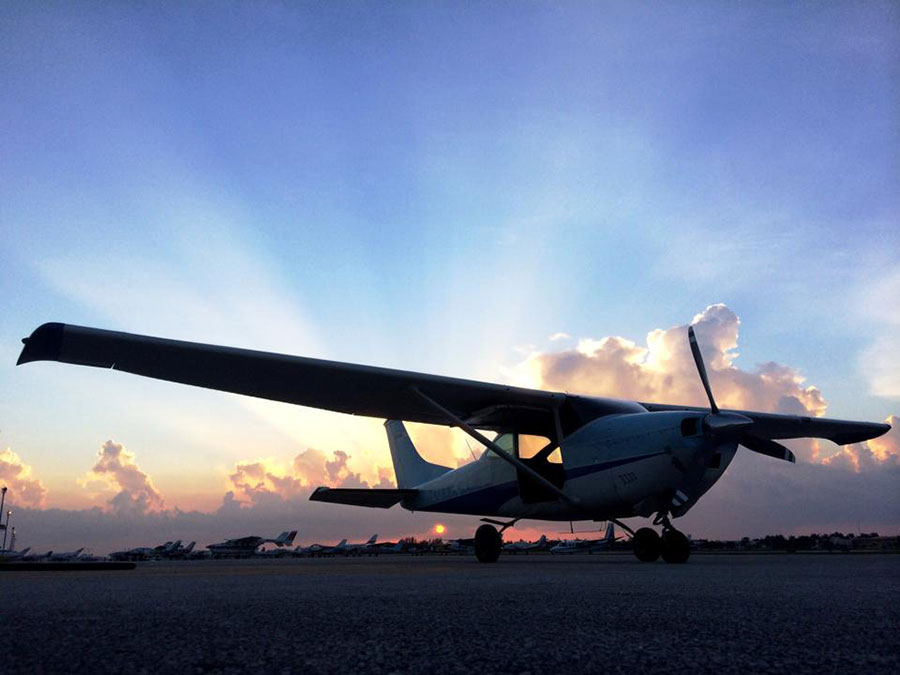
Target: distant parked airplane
(246, 546)
(526, 546)
(64, 556)
(10, 556)
(589, 545)
(363, 547)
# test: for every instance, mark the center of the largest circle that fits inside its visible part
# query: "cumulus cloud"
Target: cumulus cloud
(263, 480)
(873, 454)
(16, 475)
(663, 370)
(117, 470)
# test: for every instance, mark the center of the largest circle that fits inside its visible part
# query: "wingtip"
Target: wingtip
(43, 344)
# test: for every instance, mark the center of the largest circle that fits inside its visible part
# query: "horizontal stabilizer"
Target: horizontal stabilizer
(375, 498)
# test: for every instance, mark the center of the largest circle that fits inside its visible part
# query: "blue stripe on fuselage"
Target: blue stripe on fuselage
(490, 499)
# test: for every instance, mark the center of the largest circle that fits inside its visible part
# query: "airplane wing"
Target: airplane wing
(332, 385)
(371, 391)
(772, 425)
(372, 497)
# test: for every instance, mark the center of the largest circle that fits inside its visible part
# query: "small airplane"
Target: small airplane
(606, 543)
(179, 552)
(245, 547)
(587, 545)
(526, 546)
(389, 548)
(465, 545)
(167, 550)
(601, 459)
(64, 556)
(361, 548)
(11, 556)
(570, 546)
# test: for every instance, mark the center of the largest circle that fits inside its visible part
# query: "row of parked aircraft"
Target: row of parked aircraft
(250, 547)
(25, 555)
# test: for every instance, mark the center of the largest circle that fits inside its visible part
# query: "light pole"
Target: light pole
(2, 500)
(6, 528)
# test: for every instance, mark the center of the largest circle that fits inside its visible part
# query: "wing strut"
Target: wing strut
(497, 450)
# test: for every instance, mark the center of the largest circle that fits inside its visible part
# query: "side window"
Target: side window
(529, 446)
(506, 443)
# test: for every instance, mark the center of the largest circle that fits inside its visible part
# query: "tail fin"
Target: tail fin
(542, 540)
(372, 539)
(285, 538)
(610, 532)
(190, 547)
(341, 544)
(409, 467)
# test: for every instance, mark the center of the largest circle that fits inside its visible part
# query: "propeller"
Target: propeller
(729, 426)
(719, 427)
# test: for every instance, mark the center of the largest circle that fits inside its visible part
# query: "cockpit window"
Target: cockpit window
(525, 446)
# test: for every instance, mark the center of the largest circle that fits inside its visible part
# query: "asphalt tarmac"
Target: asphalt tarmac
(815, 613)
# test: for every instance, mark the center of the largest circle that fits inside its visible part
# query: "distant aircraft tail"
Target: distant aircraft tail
(372, 539)
(285, 538)
(610, 533)
(409, 466)
(190, 547)
(341, 544)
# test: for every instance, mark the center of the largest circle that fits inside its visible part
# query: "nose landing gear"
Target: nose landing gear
(673, 546)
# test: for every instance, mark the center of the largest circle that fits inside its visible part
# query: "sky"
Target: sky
(545, 194)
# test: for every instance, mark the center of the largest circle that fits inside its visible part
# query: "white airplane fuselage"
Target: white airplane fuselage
(616, 467)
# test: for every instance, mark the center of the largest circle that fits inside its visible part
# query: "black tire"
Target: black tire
(487, 544)
(676, 548)
(647, 544)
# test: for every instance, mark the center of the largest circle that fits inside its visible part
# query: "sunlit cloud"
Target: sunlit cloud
(259, 481)
(663, 371)
(116, 470)
(16, 475)
(883, 451)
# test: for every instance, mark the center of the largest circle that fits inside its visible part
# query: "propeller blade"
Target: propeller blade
(698, 360)
(766, 447)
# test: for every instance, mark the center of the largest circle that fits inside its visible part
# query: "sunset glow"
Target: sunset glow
(550, 210)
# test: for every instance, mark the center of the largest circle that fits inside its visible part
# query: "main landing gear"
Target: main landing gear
(487, 544)
(488, 541)
(673, 545)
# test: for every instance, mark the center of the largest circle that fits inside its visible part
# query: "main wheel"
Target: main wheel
(676, 548)
(487, 544)
(647, 545)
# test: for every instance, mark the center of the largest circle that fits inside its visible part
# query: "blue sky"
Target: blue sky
(437, 187)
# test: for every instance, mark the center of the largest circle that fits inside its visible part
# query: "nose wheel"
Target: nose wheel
(673, 546)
